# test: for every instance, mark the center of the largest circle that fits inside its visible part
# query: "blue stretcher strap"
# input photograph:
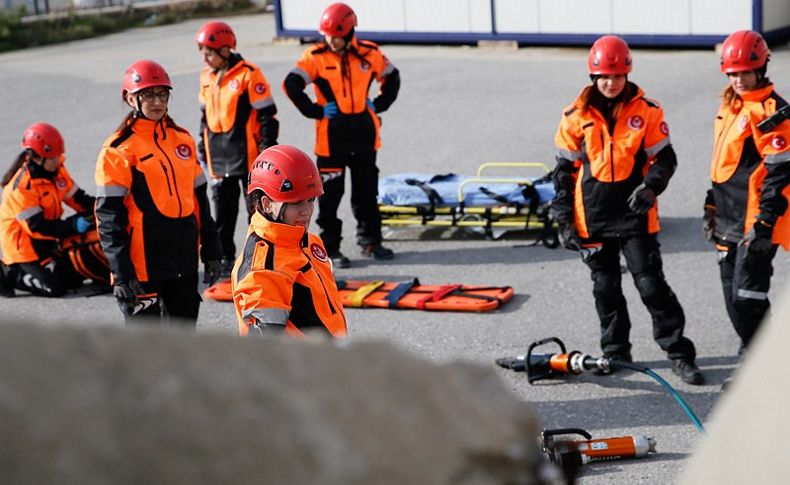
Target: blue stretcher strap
(394, 296)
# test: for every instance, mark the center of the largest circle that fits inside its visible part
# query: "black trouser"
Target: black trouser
(51, 277)
(643, 258)
(225, 195)
(176, 301)
(364, 205)
(745, 280)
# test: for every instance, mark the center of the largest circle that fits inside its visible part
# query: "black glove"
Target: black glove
(127, 292)
(212, 270)
(642, 199)
(568, 237)
(709, 222)
(758, 239)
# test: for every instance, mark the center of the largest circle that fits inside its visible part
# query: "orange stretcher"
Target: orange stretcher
(407, 294)
(411, 294)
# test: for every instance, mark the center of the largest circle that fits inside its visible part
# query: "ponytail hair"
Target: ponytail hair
(20, 160)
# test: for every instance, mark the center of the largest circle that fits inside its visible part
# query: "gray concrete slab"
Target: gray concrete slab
(458, 107)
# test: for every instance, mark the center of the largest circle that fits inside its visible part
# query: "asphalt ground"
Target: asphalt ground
(458, 107)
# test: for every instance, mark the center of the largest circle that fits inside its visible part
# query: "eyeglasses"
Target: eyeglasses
(149, 96)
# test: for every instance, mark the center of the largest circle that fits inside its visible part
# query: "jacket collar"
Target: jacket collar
(280, 234)
(578, 103)
(758, 94)
(145, 127)
(234, 62)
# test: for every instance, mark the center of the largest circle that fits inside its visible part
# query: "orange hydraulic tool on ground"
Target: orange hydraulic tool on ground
(571, 454)
(563, 363)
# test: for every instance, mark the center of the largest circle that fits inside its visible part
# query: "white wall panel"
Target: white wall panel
(379, 15)
(776, 14)
(480, 15)
(517, 16)
(301, 14)
(575, 16)
(641, 17)
(720, 17)
(651, 16)
(447, 16)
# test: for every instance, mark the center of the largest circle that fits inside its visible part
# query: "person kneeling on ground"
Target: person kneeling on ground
(43, 253)
(283, 279)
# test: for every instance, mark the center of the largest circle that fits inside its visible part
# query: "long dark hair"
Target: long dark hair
(591, 96)
(129, 120)
(731, 99)
(20, 160)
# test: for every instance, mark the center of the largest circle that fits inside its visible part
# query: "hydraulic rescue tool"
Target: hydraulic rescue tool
(549, 366)
(571, 454)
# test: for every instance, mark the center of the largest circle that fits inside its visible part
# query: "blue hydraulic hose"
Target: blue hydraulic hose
(693, 417)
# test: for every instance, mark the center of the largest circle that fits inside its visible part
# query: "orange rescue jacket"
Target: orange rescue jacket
(598, 167)
(750, 170)
(30, 224)
(238, 117)
(344, 78)
(284, 277)
(151, 207)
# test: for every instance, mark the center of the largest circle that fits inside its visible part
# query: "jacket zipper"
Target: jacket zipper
(164, 169)
(350, 87)
(172, 170)
(719, 144)
(611, 158)
(323, 286)
(345, 72)
(216, 99)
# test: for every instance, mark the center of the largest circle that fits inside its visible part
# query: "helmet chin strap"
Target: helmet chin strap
(277, 210)
(138, 108)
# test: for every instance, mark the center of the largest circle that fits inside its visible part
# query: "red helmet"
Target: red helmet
(337, 20)
(44, 139)
(744, 50)
(285, 174)
(609, 55)
(144, 74)
(216, 35)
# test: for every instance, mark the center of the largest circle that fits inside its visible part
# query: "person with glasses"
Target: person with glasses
(152, 209)
(237, 122)
(32, 228)
(745, 212)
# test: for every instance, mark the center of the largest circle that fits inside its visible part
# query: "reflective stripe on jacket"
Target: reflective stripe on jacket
(238, 117)
(31, 211)
(284, 277)
(598, 168)
(750, 170)
(344, 78)
(151, 207)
